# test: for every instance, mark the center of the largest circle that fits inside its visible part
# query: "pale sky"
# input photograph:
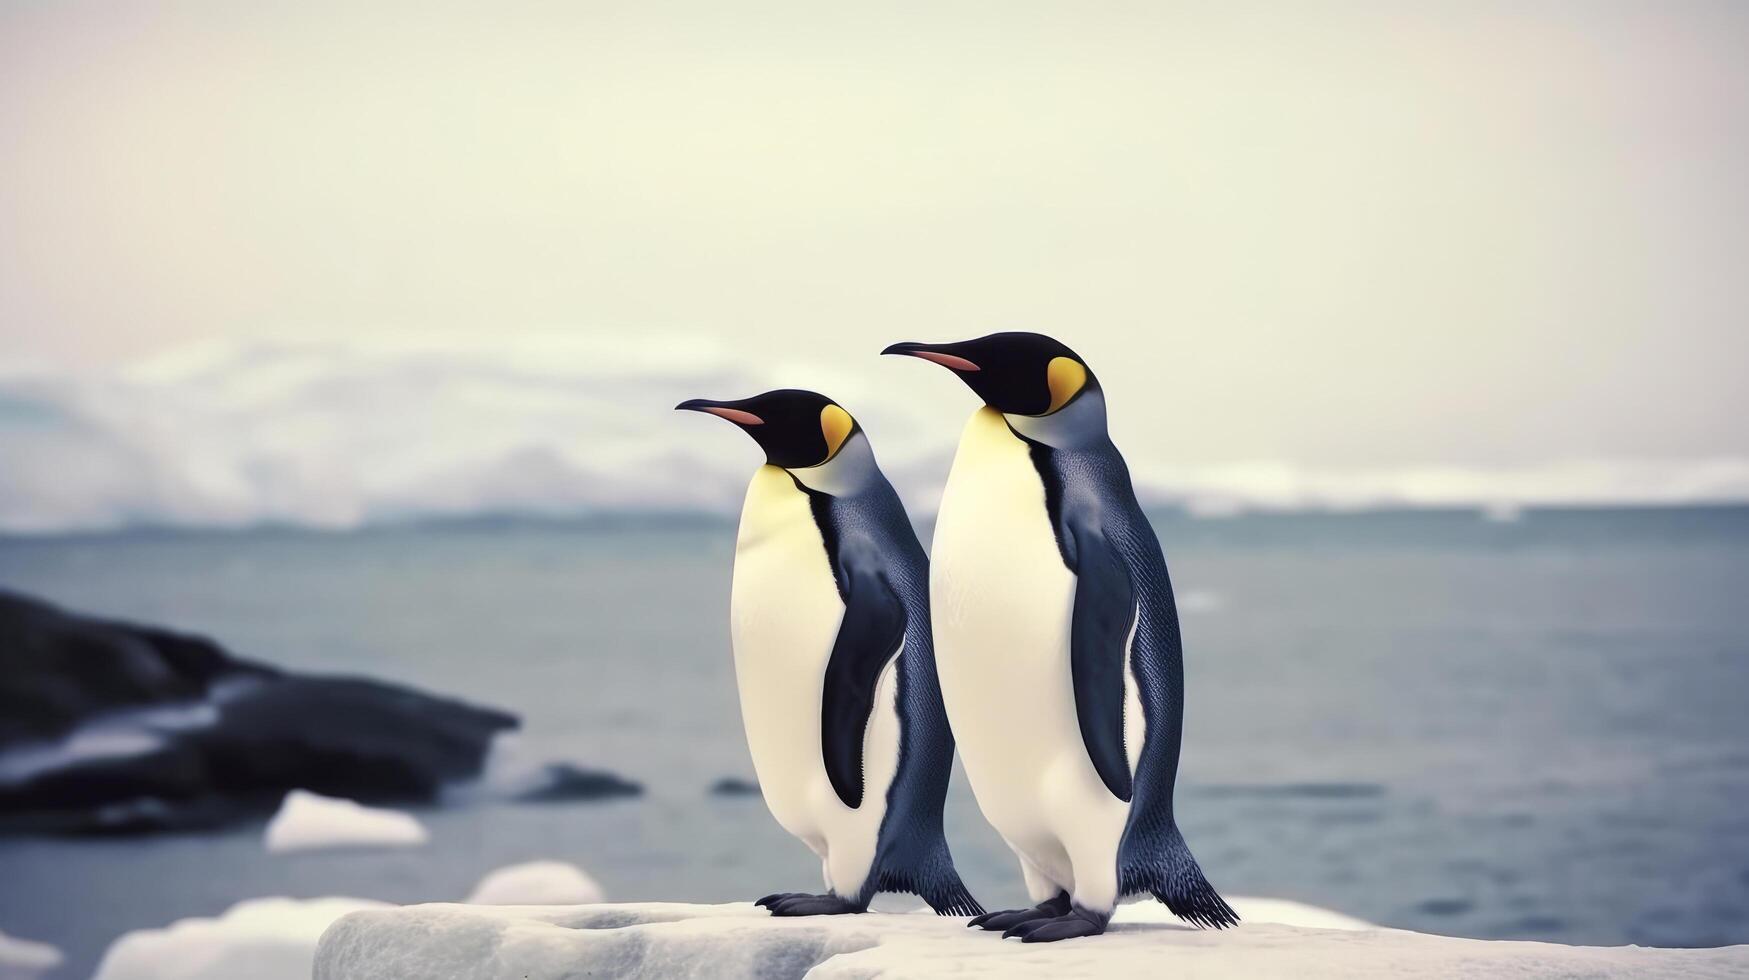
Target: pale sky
(1333, 233)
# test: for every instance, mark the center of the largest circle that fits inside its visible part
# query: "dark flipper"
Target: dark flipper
(869, 635)
(1105, 606)
(932, 879)
(1162, 865)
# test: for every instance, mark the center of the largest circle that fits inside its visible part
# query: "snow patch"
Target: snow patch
(114, 735)
(261, 939)
(537, 883)
(308, 821)
(656, 940)
(22, 959)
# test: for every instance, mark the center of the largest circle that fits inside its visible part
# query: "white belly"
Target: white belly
(784, 616)
(1002, 604)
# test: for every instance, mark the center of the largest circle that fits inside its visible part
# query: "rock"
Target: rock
(60, 669)
(563, 782)
(734, 786)
(537, 883)
(307, 821)
(22, 959)
(731, 941)
(261, 939)
(108, 727)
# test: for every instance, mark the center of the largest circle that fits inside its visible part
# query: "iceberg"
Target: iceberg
(22, 959)
(537, 883)
(262, 939)
(308, 821)
(659, 940)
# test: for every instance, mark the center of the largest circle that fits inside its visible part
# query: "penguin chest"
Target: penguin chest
(1002, 605)
(785, 611)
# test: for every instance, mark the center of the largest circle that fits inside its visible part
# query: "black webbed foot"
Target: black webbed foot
(1076, 922)
(1050, 908)
(804, 904)
(775, 897)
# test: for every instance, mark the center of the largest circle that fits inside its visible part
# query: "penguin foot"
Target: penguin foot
(775, 897)
(801, 903)
(1078, 922)
(1050, 908)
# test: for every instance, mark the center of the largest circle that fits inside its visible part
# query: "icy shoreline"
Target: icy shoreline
(1278, 939)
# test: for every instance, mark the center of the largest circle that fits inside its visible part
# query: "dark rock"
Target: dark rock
(734, 786)
(562, 782)
(214, 737)
(58, 669)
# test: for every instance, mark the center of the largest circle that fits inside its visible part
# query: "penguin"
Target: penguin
(829, 620)
(1060, 660)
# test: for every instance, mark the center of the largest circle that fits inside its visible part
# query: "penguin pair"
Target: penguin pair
(1060, 666)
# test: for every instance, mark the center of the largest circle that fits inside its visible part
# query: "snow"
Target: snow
(537, 883)
(115, 734)
(261, 939)
(22, 959)
(655, 940)
(339, 434)
(308, 821)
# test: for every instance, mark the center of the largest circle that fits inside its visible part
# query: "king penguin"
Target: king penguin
(829, 619)
(1060, 661)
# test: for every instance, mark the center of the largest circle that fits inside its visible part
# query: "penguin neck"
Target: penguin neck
(1079, 424)
(849, 472)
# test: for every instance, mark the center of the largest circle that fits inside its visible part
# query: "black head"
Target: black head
(796, 428)
(1014, 373)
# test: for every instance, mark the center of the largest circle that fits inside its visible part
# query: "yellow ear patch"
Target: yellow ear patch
(1066, 376)
(835, 425)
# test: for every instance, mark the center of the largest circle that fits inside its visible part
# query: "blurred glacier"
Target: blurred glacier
(340, 435)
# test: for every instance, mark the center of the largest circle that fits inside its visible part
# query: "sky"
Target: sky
(1356, 236)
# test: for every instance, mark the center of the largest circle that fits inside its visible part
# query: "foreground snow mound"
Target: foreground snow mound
(307, 821)
(730, 941)
(261, 939)
(537, 883)
(21, 959)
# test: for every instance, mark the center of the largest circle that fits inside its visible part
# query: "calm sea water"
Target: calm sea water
(1529, 730)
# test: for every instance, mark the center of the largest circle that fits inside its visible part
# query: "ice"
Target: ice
(308, 821)
(341, 434)
(22, 959)
(1278, 939)
(537, 883)
(261, 939)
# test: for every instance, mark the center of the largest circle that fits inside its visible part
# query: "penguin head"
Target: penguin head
(796, 428)
(1042, 388)
(1018, 374)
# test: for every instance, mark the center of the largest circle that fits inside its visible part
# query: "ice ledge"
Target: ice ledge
(659, 940)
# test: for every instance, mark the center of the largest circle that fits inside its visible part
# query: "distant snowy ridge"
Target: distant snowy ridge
(341, 435)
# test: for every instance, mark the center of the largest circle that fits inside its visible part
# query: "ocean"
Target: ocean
(1528, 729)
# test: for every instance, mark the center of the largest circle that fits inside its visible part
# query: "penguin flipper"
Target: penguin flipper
(1105, 608)
(934, 880)
(871, 632)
